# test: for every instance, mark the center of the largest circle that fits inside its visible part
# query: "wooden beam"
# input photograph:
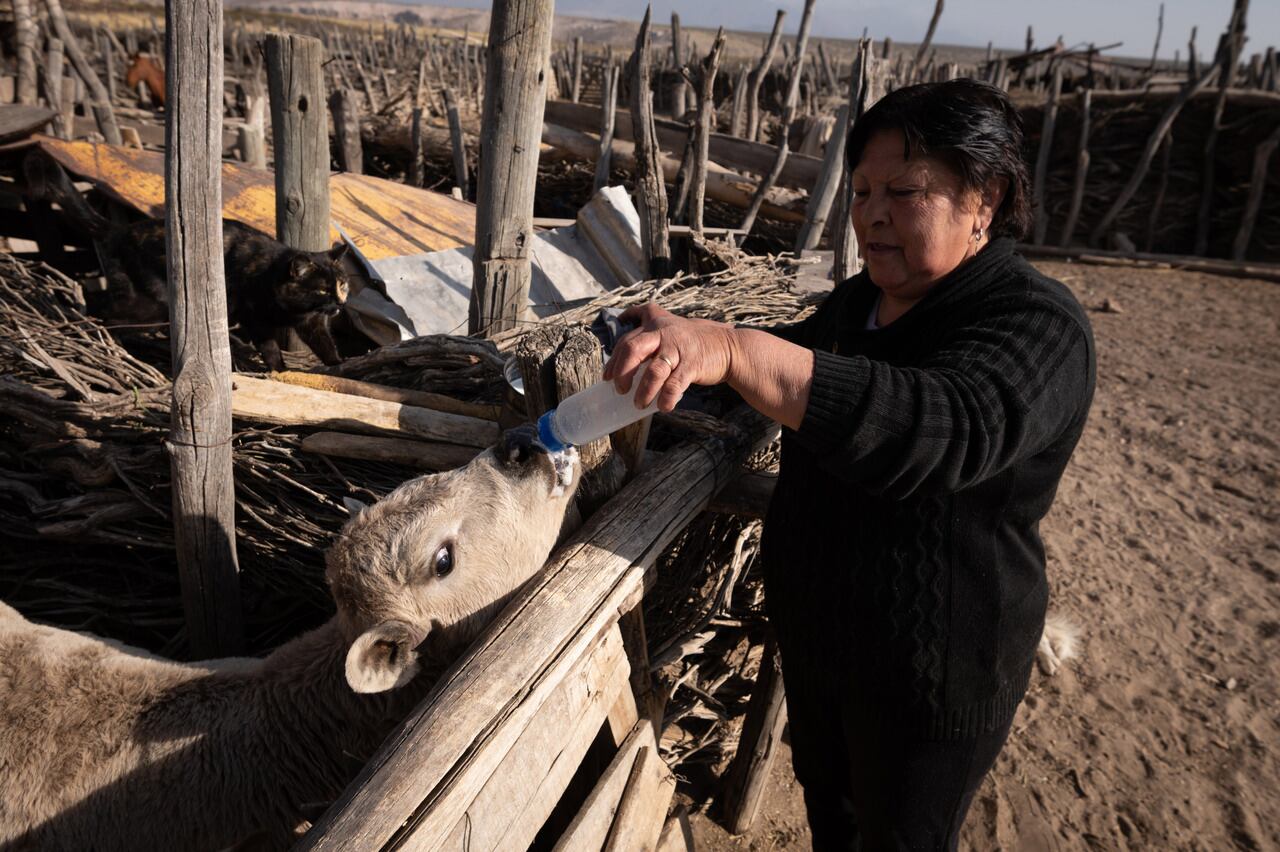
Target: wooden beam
(1261, 271)
(422, 399)
(757, 75)
(1042, 157)
(300, 137)
(346, 127)
(590, 826)
(199, 442)
(25, 37)
(421, 779)
(1082, 170)
(642, 810)
(101, 101)
(799, 172)
(515, 92)
(265, 401)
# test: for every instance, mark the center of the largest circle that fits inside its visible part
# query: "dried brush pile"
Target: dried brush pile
(1162, 216)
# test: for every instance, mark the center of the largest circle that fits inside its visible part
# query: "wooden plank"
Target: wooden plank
(748, 774)
(800, 171)
(642, 811)
(422, 399)
(419, 780)
(590, 826)
(199, 444)
(18, 121)
(383, 218)
(677, 835)
(522, 792)
(515, 92)
(424, 455)
(265, 401)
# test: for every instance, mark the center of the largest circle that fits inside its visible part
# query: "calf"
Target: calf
(107, 747)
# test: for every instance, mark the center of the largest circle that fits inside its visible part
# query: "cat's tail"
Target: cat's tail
(47, 180)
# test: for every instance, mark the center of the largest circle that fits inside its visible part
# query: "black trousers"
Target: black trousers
(870, 791)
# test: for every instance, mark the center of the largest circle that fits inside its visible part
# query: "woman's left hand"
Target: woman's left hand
(680, 352)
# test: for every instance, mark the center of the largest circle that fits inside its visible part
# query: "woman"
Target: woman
(931, 404)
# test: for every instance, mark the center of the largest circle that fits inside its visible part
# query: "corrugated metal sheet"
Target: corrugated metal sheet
(383, 218)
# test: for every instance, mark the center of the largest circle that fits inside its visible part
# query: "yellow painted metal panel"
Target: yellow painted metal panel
(383, 218)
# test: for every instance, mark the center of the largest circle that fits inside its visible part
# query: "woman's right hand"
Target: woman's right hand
(680, 352)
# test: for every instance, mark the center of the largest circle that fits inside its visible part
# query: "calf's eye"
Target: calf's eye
(444, 561)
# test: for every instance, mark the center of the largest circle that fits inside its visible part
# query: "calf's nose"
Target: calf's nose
(519, 445)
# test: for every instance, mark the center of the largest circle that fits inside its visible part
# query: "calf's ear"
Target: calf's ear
(383, 657)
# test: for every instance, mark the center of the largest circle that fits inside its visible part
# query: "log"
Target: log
(1042, 157)
(748, 774)
(519, 57)
(282, 404)
(609, 100)
(642, 810)
(107, 120)
(738, 113)
(369, 390)
(424, 455)
(1144, 162)
(346, 127)
(300, 137)
(108, 65)
(747, 496)
(429, 770)
(1257, 185)
(757, 75)
(25, 39)
(702, 130)
(199, 443)
(1082, 171)
(722, 185)
(800, 171)
(651, 190)
(1153, 218)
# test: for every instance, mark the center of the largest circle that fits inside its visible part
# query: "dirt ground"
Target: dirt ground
(1163, 545)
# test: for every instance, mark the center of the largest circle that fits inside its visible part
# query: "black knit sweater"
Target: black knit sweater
(902, 551)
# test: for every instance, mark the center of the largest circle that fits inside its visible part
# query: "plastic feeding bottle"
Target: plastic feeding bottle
(592, 413)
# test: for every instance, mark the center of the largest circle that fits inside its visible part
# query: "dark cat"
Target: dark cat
(270, 287)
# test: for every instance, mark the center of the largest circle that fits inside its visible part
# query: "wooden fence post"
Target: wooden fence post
(1257, 184)
(515, 96)
(199, 444)
(705, 92)
(748, 774)
(609, 101)
(25, 37)
(788, 113)
(461, 177)
(1082, 170)
(679, 91)
(300, 136)
(1042, 158)
(101, 101)
(346, 126)
(651, 188)
(757, 75)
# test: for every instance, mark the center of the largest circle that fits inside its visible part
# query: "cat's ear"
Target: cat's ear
(301, 266)
(338, 252)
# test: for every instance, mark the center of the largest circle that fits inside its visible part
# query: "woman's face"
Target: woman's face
(914, 219)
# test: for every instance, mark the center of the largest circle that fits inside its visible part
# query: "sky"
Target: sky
(969, 22)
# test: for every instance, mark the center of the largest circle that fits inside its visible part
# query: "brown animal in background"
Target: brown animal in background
(144, 67)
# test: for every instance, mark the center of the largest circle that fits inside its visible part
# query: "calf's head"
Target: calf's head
(440, 554)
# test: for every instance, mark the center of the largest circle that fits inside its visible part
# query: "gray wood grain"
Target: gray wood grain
(199, 442)
(300, 140)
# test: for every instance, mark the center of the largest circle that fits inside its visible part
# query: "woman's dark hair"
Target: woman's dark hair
(971, 126)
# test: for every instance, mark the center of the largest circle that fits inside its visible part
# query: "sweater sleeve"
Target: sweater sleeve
(995, 391)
